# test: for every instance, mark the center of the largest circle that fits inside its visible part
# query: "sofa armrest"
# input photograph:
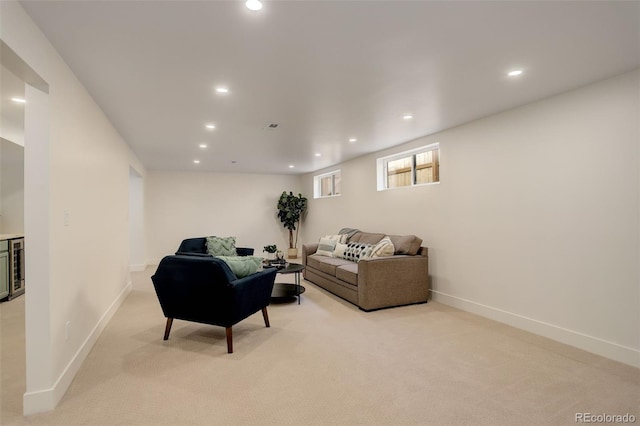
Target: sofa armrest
(392, 281)
(308, 250)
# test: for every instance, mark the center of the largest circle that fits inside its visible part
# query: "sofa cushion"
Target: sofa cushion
(217, 246)
(325, 264)
(384, 248)
(357, 251)
(406, 244)
(366, 238)
(348, 273)
(326, 247)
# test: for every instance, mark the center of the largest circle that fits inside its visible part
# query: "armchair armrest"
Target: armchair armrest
(244, 251)
(264, 278)
(241, 251)
(191, 253)
(252, 293)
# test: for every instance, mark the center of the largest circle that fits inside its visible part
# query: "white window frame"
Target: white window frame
(382, 162)
(317, 184)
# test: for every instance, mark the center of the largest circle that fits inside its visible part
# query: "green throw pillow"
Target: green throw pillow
(241, 266)
(217, 246)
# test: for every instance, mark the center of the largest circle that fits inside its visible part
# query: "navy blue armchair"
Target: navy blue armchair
(198, 247)
(204, 290)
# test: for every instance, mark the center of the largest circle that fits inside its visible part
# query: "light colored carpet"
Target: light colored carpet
(321, 363)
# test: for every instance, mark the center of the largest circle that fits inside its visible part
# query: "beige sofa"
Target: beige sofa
(373, 283)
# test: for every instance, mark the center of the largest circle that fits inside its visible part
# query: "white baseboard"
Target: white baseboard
(137, 267)
(47, 399)
(579, 340)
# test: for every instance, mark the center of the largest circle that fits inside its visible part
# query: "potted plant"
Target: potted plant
(290, 210)
(271, 251)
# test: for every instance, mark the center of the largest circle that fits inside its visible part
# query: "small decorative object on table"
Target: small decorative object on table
(275, 263)
(271, 251)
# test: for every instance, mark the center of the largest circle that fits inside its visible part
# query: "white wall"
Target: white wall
(11, 130)
(80, 265)
(11, 115)
(184, 205)
(137, 249)
(11, 187)
(535, 222)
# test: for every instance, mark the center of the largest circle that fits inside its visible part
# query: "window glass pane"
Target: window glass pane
(399, 164)
(423, 158)
(399, 172)
(326, 186)
(427, 167)
(336, 184)
(424, 175)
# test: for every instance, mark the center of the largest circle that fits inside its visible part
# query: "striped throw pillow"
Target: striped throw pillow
(325, 247)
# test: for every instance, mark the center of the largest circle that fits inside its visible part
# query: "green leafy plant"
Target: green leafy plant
(271, 248)
(290, 210)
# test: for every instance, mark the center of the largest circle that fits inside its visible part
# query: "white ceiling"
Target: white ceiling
(325, 71)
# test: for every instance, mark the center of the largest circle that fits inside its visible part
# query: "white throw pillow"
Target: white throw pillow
(326, 247)
(340, 238)
(339, 250)
(384, 248)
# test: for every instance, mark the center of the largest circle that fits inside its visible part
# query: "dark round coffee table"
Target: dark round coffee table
(287, 290)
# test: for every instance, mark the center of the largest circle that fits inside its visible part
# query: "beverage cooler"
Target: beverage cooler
(16, 267)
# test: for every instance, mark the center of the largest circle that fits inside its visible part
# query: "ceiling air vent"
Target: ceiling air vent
(271, 126)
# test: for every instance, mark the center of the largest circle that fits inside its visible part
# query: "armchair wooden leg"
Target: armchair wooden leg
(167, 328)
(229, 340)
(265, 315)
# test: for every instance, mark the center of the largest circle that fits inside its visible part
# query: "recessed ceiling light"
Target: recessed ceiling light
(203, 145)
(253, 4)
(19, 100)
(210, 126)
(514, 73)
(352, 140)
(407, 116)
(291, 166)
(222, 90)
(318, 154)
(196, 161)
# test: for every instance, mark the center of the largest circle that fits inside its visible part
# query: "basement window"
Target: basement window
(326, 185)
(409, 168)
